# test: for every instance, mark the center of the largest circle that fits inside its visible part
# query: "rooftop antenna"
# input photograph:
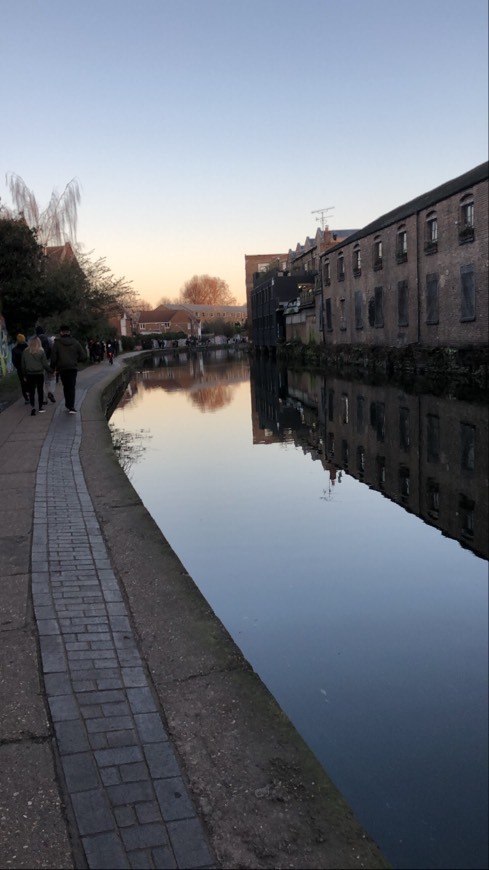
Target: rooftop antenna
(322, 215)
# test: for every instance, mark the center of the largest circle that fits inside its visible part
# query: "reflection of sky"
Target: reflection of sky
(369, 626)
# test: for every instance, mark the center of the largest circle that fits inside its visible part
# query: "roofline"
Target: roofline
(438, 194)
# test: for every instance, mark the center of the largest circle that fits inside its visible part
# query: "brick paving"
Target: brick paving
(129, 797)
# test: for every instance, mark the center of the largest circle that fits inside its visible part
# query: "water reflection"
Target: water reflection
(322, 520)
(426, 453)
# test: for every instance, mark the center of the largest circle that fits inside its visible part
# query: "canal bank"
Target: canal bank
(260, 795)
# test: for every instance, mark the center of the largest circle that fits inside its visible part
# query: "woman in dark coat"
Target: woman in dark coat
(17, 351)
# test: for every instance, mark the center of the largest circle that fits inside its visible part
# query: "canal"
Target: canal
(339, 530)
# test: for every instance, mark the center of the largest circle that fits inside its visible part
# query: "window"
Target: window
(402, 303)
(404, 434)
(466, 220)
(343, 314)
(466, 510)
(358, 309)
(361, 461)
(433, 495)
(341, 267)
(404, 482)
(360, 415)
(431, 237)
(432, 438)
(401, 245)
(379, 306)
(371, 312)
(377, 254)
(330, 405)
(380, 463)
(344, 408)
(467, 442)
(326, 273)
(432, 312)
(329, 316)
(467, 290)
(344, 454)
(357, 261)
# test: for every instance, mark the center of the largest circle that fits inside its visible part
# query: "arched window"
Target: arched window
(377, 253)
(431, 233)
(466, 219)
(341, 267)
(401, 244)
(357, 261)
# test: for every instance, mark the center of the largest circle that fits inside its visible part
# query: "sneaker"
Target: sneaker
(72, 410)
(33, 412)
(51, 397)
(42, 410)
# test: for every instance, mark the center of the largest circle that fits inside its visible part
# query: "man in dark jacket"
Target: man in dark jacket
(17, 351)
(66, 353)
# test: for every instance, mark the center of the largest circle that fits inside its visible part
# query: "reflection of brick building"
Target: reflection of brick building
(427, 454)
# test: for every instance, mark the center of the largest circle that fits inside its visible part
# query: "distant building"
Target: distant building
(235, 314)
(169, 318)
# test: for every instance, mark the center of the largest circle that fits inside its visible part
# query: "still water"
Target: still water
(339, 531)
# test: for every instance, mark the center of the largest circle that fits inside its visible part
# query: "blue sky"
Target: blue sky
(203, 130)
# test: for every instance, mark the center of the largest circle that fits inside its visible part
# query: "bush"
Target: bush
(128, 342)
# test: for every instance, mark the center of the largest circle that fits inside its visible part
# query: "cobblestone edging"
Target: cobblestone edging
(130, 801)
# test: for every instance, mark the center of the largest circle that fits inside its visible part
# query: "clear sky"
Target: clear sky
(203, 130)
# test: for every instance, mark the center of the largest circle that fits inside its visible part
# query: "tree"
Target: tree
(206, 290)
(22, 270)
(165, 300)
(56, 224)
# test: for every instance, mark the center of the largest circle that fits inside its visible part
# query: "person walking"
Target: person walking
(49, 380)
(17, 351)
(34, 364)
(66, 353)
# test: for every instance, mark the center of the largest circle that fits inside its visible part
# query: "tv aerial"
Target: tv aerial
(322, 212)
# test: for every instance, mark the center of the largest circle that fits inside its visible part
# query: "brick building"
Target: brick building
(418, 274)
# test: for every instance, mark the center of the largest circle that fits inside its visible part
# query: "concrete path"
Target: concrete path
(129, 801)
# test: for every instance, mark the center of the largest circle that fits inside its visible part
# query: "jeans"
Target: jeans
(36, 383)
(68, 379)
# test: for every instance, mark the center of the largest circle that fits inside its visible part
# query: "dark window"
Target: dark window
(467, 443)
(371, 312)
(404, 433)
(379, 306)
(330, 405)
(377, 419)
(344, 454)
(432, 313)
(327, 272)
(358, 309)
(433, 494)
(467, 285)
(329, 316)
(432, 438)
(402, 303)
(330, 444)
(361, 461)
(404, 482)
(380, 462)
(360, 414)
(466, 510)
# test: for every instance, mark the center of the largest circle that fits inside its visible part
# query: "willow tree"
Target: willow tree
(57, 223)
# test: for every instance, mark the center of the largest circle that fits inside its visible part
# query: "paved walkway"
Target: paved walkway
(129, 799)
